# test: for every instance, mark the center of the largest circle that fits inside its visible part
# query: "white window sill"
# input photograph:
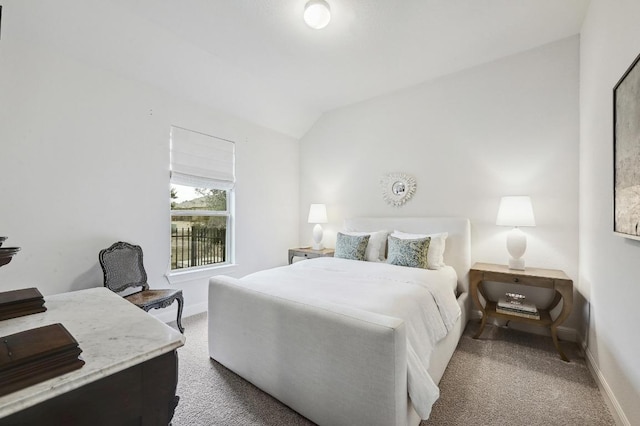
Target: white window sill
(194, 274)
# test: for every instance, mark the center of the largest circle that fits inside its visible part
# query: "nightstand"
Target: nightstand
(533, 277)
(309, 253)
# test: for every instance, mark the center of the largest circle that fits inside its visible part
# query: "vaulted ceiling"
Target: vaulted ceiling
(257, 60)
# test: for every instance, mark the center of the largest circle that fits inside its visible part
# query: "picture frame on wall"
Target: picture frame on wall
(626, 153)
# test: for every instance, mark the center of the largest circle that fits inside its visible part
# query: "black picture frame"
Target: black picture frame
(626, 153)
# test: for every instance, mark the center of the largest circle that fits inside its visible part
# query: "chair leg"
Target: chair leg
(179, 318)
(180, 300)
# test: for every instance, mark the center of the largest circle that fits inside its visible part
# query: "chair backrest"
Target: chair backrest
(122, 267)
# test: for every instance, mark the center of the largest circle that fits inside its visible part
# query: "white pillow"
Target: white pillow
(435, 255)
(376, 245)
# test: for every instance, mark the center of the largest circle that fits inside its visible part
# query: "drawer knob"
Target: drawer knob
(516, 280)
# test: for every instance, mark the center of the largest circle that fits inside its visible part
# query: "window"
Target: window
(202, 181)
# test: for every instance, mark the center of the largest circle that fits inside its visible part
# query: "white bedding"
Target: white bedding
(424, 299)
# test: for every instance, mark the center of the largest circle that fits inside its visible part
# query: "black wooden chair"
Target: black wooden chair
(123, 268)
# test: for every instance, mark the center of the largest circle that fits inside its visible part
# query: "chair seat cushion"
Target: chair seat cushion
(153, 298)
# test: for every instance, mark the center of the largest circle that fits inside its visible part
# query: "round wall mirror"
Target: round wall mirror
(398, 188)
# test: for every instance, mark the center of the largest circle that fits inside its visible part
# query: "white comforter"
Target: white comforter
(423, 299)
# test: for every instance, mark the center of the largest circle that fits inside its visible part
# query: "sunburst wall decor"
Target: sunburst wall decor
(397, 188)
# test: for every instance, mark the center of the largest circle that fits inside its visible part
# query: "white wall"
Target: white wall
(609, 264)
(509, 127)
(84, 161)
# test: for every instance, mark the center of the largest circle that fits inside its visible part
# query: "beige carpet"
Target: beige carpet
(509, 377)
(505, 378)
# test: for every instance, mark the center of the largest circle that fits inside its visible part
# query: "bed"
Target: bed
(332, 353)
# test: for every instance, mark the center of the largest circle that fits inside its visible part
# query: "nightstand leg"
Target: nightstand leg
(554, 336)
(475, 285)
(482, 324)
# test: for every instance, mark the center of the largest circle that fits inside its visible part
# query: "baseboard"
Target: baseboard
(605, 390)
(169, 314)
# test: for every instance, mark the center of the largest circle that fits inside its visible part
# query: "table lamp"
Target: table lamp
(516, 211)
(317, 215)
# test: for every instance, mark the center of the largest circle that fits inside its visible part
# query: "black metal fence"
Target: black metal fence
(197, 246)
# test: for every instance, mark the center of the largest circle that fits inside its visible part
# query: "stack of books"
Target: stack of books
(36, 355)
(17, 303)
(517, 307)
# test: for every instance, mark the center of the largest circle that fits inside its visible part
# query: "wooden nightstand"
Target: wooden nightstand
(533, 277)
(309, 253)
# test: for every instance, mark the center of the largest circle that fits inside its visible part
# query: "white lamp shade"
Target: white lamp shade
(515, 211)
(317, 14)
(317, 213)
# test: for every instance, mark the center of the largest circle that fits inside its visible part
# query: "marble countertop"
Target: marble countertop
(113, 334)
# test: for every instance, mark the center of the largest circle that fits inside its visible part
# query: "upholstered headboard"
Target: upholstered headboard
(458, 245)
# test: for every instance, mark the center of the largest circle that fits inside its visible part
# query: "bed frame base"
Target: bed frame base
(332, 364)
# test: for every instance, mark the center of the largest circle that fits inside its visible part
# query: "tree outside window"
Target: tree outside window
(199, 223)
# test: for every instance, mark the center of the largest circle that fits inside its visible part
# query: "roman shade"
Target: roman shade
(201, 160)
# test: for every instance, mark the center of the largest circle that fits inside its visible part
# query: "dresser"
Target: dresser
(130, 372)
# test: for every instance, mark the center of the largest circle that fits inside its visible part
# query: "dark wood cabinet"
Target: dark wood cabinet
(144, 394)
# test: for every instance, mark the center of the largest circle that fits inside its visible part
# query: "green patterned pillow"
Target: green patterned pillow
(412, 253)
(351, 246)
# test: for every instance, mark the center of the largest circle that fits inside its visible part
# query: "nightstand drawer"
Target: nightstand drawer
(518, 279)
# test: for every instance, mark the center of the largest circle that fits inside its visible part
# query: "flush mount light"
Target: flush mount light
(317, 14)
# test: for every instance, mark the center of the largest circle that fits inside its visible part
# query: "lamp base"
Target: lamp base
(516, 264)
(317, 237)
(516, 246)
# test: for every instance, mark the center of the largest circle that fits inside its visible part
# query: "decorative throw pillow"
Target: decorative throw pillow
(351, 246)
(435, 258)
(376, 246)
(412, 253)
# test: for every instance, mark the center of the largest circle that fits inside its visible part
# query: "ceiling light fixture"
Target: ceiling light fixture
(317, 14)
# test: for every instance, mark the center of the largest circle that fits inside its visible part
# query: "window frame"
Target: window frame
(228, 213)
(192, 172)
